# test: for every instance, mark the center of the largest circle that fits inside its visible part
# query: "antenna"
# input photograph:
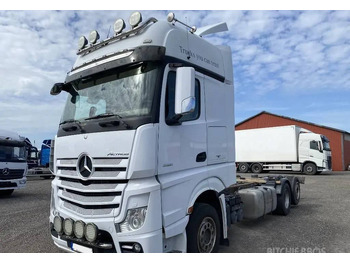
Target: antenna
(171, 18)
(108, 31)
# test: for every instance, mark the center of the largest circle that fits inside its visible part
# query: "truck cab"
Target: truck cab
(13, 163)
(146, 141)
(315, 153)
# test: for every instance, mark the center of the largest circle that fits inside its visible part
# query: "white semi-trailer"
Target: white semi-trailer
(144, 156)
(13, 162)
(282, 148)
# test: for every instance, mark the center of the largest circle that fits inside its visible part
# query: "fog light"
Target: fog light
(137, 248)
(57, 224)
(79, 229)
(68, 226)
(91, 232)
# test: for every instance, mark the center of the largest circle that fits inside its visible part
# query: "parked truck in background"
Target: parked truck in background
(289, 148)
(144, 155)
(13, 163)
(45, 153)
(32, 155)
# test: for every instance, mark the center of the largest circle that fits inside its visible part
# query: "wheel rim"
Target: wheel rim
(286, 201)
(309, 169)
(243, 168)
(206, 235)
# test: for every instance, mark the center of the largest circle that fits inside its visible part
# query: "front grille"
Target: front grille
(329, 160)
(13, 174)
(98, 195)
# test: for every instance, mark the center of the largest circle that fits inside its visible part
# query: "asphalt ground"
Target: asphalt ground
(320, 223)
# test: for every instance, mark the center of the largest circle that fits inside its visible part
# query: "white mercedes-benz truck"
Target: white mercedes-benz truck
(13, 162)
(282, 148)
(144, 157)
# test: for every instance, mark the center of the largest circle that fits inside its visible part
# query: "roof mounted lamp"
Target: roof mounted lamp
(82, 42)
(119, 25)
(93, 37)
(171, 18)
(135, 19)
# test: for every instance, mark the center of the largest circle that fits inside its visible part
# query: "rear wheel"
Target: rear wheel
(243, 167)
(203, 229)
(310, 169)
(257, 168)
(295, 192)
(284, 201)
(7, 192)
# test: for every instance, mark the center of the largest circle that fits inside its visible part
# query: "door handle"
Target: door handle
(201, 157)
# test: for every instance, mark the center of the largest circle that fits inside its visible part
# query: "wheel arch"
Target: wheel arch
(210, 195)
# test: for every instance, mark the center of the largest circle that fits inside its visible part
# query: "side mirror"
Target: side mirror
(185, 100)
(56, 89)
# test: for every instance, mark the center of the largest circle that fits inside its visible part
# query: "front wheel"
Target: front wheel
(310, 169)
(203, 229)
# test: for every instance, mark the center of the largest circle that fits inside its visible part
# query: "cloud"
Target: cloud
(309, 19)
(276, 55)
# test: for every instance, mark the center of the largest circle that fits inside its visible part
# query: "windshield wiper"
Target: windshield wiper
(104, 115)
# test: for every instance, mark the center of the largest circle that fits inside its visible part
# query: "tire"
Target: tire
(203, 229)
(7, 192)
(283, 201)
(243, 167)
(310, 169)
(295, 192)
(257, 168)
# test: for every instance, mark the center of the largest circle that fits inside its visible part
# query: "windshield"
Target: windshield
(12, 153)
(127, 92)
(326, 145)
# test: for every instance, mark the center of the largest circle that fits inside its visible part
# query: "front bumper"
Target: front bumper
(111, 241)
(13, 184)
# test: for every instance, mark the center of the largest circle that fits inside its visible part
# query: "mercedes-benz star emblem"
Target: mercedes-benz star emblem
(85, 167)
(6, 171)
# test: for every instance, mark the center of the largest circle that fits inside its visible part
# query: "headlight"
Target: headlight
(91, 232)
(57, 224)
(68, 226)
(134, 220)
(79, 229)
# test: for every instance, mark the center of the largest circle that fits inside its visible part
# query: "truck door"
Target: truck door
(316, 152)
(182, 155)
(182, 142)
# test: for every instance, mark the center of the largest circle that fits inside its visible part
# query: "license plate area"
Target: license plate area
(79, 248)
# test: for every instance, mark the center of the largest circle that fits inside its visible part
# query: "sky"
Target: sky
(291, 63)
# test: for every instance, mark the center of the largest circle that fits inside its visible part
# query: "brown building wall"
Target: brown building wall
(335, 137)
(346, 148)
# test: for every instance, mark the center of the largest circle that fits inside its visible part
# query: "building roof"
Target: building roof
(293, 119)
